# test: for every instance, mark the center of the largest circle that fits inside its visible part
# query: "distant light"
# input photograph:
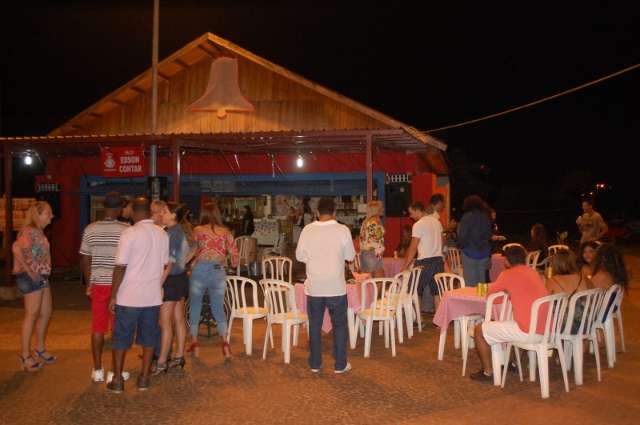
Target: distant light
(300, 161)
(28, 159)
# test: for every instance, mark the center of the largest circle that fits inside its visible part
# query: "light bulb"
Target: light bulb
(300, 161)
(28, 160)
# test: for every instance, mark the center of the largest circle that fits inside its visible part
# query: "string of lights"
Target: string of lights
(536, 102)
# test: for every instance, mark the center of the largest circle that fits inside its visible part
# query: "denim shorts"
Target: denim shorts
(26, 285)
(141, 321)
(369, 262)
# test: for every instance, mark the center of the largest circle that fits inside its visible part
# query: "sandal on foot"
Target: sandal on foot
(29, 364)
(46, 357)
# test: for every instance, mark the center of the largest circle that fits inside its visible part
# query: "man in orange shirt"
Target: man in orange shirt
(524, 285)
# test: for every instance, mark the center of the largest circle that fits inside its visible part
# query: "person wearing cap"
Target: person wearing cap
(141, 267)
(98, 253)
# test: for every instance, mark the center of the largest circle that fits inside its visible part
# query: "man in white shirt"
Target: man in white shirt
(426, 242)
(141, 266)
(324, 246)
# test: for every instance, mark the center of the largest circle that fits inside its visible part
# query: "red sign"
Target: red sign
(123, 162)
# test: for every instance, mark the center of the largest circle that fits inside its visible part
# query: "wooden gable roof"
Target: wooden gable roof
(284, 101)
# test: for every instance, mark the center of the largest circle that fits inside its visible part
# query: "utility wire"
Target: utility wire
(536, 102)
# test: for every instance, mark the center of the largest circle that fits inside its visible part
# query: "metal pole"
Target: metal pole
(176, 170)
(369, 166)
(8, 229)
(154, 87)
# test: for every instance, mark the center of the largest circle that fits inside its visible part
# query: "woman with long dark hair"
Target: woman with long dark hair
(587, 256)
(609, 268)
(32, 267)
(215, 244)
(474, 239)
(176, 287)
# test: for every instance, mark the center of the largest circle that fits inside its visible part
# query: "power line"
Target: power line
(536, 102)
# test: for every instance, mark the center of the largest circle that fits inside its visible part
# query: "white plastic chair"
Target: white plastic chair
(497, 352)
(240, 308)
(282, 310)
(403, 279)
(382, 308)
(532, 259)
(552, 249)
(454, 260)
(509, 245)
(278, 268)
(591, 301)
(410, 302)
(542, 344)
(610, 302)
(243, 253)
(447, 282)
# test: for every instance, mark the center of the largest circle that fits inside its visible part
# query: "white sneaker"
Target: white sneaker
(315, 370)
(346, 369)
(125, 376)
(97, 375)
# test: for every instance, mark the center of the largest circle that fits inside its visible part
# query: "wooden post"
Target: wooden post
(369, 167)
(176, 157)
(8, 229)
(153, 160)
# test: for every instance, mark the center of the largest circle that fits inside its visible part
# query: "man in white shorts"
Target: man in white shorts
(524, 285)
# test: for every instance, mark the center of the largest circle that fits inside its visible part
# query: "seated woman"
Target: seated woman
(405, 241)
(587, 255)
(609, 268)
(567, 278)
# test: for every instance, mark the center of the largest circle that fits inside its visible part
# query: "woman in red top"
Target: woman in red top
(32, 267)
(215, 244)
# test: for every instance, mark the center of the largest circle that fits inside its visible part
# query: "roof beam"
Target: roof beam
(138, 90)
(207, 51)
(182, 64)
(118, 102)
(95, 115)
(219, 51)
(163, 76)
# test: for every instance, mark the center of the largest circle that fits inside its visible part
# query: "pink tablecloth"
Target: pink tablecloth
(392, 266)
(498, 262)
(459, 302)
(353, 302)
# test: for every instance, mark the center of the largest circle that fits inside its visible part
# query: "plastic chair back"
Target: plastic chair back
(556, 305)
(610, 301)
(590, 300)
(555, 248)
(278, 268)
(453, 258)
(384, 295)
(280, 296)
(532, 259)
(448, 282)
(510, 245)
(501, 298)
(236, 289)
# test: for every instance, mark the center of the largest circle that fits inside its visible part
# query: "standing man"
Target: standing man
(591, 223)
(141, 266)
(426, 242)
(98, 251)
(324, 246)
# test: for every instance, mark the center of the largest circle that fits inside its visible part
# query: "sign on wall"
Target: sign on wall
(123, 162)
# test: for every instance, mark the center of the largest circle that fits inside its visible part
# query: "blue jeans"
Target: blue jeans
(475, 271)
(427, 287)
(141, 321)
(207, 275)
(338, 311)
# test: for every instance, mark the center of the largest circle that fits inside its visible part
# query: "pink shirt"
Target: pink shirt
(524, 286)
(144, 249)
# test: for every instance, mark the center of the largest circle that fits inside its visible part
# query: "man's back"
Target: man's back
(429, 230)
(144, 250)
(100, 242)
(524, 286)
(324, 246)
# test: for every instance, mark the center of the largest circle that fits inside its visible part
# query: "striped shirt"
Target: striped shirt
(100, 242)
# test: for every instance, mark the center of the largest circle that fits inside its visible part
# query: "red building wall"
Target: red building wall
(65, 232)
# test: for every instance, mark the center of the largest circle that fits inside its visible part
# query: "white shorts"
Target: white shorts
(505, 331)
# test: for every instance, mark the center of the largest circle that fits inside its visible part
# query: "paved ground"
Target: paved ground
(412, 388)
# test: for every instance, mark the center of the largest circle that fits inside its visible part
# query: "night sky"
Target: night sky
(428, 66)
